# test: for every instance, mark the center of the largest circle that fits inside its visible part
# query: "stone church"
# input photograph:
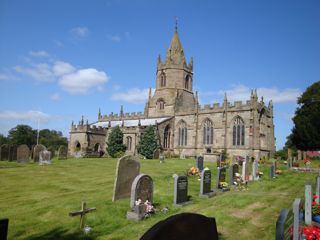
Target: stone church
(183, 126)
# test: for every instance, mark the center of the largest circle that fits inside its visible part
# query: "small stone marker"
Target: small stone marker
(62, 152)
(44, 157)
(36, 150)
(180, 194)
(234, 168)
(82, 213)
(205, 184)
(4, 224)
(221, 178)
(307, 204)
(23, 153)
(128, 168)
(199, 163)
(186, 226)
(161, 158)
(317, 189)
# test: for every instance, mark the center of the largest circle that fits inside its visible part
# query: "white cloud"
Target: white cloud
(39, 54)
(29, 115)
(241, 92)
(134, 95)
(82, 80)
(40, 72)
(7, 76)
(114, 38)
(55, 97)
(61, 68)
(80, 32)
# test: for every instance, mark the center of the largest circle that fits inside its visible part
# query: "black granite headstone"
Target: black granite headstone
(4, 223)
(284, 225)
(180, 189)
(199, 163)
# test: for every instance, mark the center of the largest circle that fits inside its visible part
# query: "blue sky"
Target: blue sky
(60, 60)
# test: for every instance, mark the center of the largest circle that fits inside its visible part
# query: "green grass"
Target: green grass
(37, 200)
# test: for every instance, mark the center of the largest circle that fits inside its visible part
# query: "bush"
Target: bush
(148, 143)
(115, 142)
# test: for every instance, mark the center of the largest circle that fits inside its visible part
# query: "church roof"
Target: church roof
(131, 122)
(175, 52)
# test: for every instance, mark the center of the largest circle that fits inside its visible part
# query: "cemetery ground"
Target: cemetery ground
(37, 199)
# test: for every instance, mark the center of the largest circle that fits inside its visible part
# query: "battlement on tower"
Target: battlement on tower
(237, 105)
(125, 116)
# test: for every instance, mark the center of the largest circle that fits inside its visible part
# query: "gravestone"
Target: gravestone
(284, 225)
(186, 226)
(221, 178)
(199, 163)
(317, 189)
(289, 153)
(255, 170)
(289, 162)
(161, 158)
(44, 157)
(53, 152)
(37, 149)
(180, 193)
(299, 155)
(5, 151)
(13, 153)
(245, 171)
(296, 218)
(142, 190)
(128, 167)
(82, 213)
(23, 153)
(272, 172)
(62, 152)
(156, 154)
(304, 154)
(234, 168)
(205, 184)
(307, 204)
(4, 223)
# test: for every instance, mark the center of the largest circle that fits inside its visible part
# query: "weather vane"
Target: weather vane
(176, 26)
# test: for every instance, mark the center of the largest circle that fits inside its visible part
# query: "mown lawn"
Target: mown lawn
(37, 200)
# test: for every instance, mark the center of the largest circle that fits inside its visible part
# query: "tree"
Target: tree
(52, 138)
(148, 143)
(115, 143)
(3, 139)
(306, 131)
(22, 134)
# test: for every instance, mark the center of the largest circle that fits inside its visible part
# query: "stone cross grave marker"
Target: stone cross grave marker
(128, 167)
(255, 170)
(234, 168)
(180, 193)
(23, 153)
(62, 152)
(307, 204)
(36, 150)
(317, 189)
(205, 184)
(142, 190)
(199, 163)
(44, 157)
(221, 179)
(82, 213)
(4, 224)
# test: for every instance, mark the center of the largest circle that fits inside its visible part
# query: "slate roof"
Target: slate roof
(131, 122)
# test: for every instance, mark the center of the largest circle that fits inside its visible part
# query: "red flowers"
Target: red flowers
(312, 232)
(314, 197)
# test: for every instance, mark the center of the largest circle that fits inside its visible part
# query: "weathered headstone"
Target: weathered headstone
(52, 150)
(199, 163)
(180, 193)
(4, 150)
(272, 172)
(307, 204)
(255, 170)
(142, 190)
(299, 155)
(296, 218)
(156, 154)
(44, 157)
(245, 170)
(62, 152)
(186, 226)
(13, 153)
(289, 162)
(205, 184)
(221, 179)
(317, 189)
(128, 168)
(23, 153)
(36, 150)
(234, 168)
(4, 223)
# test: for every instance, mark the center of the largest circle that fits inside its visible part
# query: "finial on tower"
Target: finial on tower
(176, 24)
(121, 111)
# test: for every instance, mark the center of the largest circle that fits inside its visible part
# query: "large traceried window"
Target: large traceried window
(207, 132)
(183, 134)
(162, 79)
(238, 132)
(167, 137)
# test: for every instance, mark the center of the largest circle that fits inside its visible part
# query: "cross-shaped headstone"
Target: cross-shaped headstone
(82, 213)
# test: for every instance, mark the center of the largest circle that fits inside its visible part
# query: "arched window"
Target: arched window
(97, 147)
(77, 146)
(129, 143)
(183, 134)
(187, 82)
(162, 79)
(166, 137)
(238, 132)
(207, 132)
(160, 104)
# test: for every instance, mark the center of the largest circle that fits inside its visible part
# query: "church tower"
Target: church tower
(174, 82)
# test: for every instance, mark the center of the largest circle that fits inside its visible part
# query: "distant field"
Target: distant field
(37, 200)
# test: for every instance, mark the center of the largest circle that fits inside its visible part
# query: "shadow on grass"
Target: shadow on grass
(61, 234)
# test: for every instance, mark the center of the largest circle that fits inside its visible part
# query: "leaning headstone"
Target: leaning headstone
(234, 168)
(44, 157)
(62, 152)
(141, 191)
(23, 153)
(307, 204)
(199, 163)
(180, 194)
(4, 223)
(4, 150)
(296, 219)
(317, 189)
(128, 167)
(186, 226)
(37, 149)
(205, 184)
(156, 154)
(221, 180)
